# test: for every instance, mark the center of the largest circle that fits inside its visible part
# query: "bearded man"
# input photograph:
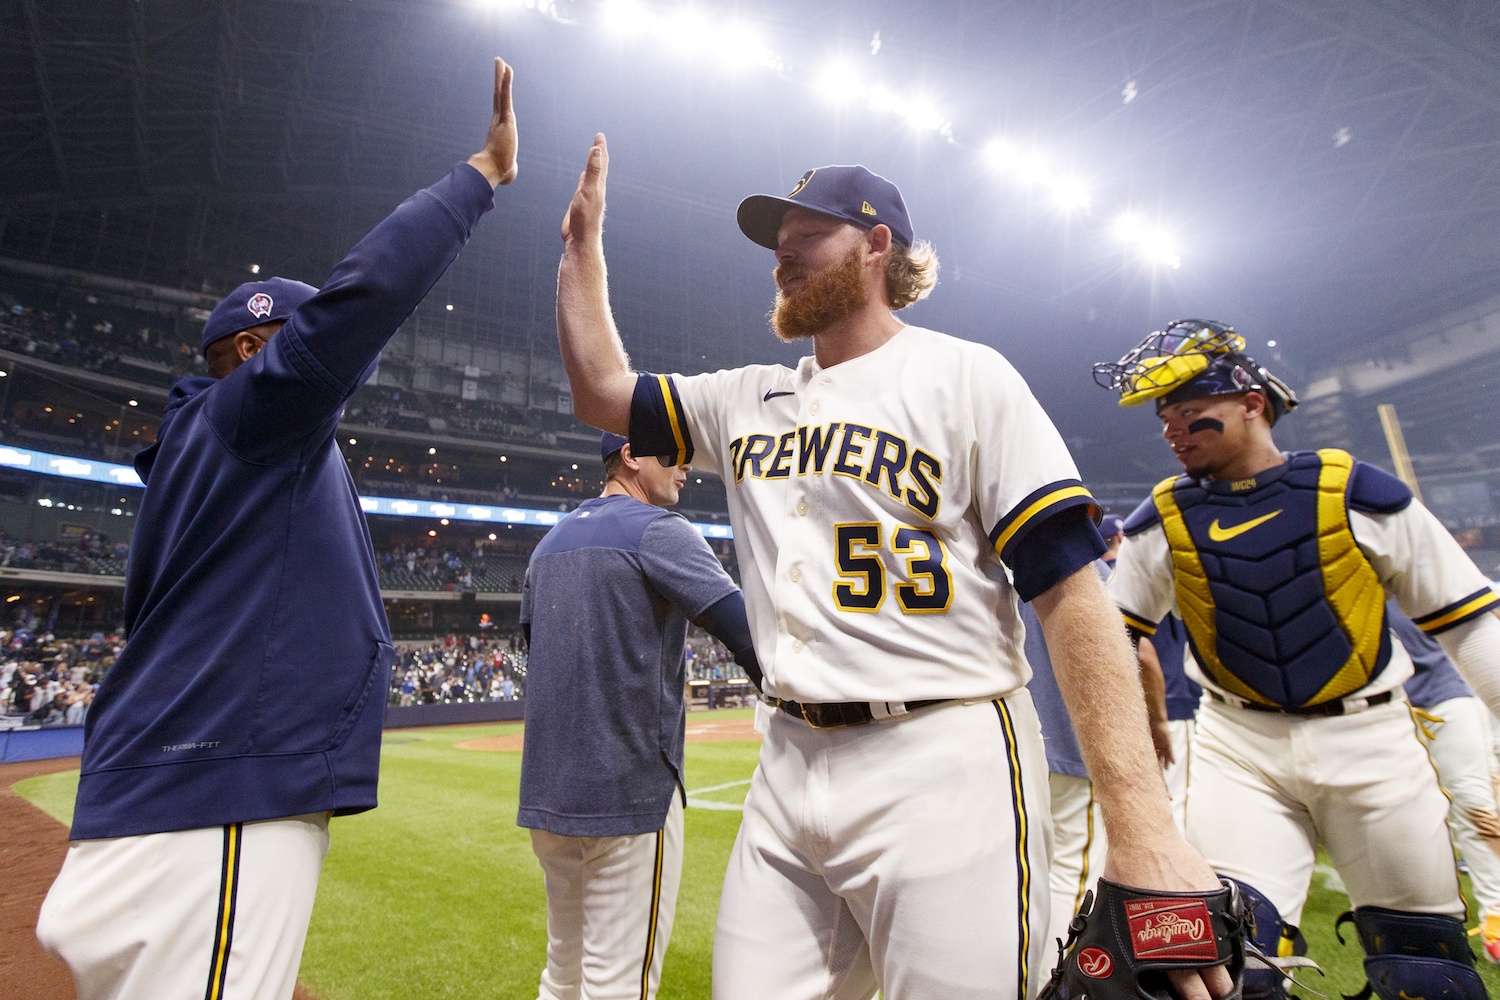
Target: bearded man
(893, 498)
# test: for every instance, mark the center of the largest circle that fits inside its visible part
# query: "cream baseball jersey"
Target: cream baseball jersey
(875, 506)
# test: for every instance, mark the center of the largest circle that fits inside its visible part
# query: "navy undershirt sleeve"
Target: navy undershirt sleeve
(1057, 548)
(725, 620)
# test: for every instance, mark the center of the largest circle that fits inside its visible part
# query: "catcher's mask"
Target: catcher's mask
(1191, 359)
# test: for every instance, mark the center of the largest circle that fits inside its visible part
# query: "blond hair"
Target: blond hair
(910, 273)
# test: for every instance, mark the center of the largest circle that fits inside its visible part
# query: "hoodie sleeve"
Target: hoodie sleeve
(298, 384)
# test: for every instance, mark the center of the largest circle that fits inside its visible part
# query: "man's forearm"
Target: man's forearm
(1097, 674)
(592, 353)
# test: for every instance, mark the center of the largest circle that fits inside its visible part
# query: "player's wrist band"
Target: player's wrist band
(836, 714)
(1347, 706)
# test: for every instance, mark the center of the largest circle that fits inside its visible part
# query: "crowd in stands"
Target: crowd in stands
(389, 407)
(48, 681)
(91, 552)
(708, 659)
(93, 337)
(460, 668)
(477, 566)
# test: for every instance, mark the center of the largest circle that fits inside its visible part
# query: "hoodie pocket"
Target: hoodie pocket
(376, 677)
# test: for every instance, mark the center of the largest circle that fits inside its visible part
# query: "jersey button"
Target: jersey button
(795, 576)
(825, 380)
(813, 409)
(796, 645)
(802, 508)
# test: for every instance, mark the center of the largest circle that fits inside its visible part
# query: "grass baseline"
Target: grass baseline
(437, 893)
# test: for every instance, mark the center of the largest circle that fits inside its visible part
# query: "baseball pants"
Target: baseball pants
(211, 914)
(1077, 854)
(1266, 789)
(907, 855)
(610, 904)
(1457, 732)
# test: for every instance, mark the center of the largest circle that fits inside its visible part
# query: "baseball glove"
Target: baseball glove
(1123, 942)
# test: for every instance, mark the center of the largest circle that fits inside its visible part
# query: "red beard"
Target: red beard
(825, 299)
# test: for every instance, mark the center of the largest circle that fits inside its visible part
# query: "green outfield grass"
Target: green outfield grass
(437, 894)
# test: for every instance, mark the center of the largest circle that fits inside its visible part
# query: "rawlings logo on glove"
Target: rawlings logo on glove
(1170, 928)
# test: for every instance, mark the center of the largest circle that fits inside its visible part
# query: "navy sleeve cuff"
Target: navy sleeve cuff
(1055, 549)
(657, 423)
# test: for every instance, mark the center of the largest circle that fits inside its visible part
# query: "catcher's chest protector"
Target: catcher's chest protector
(1280, 603)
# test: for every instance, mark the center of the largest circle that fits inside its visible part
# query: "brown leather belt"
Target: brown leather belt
(837, 714)
(1328, 708)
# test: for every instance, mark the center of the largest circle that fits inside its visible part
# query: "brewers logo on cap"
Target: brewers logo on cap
(259, 305)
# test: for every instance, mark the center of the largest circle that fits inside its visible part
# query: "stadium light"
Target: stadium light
(1129, 227)
(841, 83)
(1070, 193)
(999, 154)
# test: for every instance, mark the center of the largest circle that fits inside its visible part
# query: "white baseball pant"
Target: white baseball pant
(211, 914)
(610, 906)
(1457, 732)
(1266, 789)
(907, 855)
(1078, 853)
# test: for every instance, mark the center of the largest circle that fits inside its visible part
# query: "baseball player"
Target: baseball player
(608, 595)
(892, 497)
(1456, 728)
(246, 706)
(1279, 565)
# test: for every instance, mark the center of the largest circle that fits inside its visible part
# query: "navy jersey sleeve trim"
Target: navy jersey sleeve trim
(1143, 517)
(1055, 548)
(658, 425)
(1372, 490)
(1035, 508)
(1138, 623)
(1463, 610)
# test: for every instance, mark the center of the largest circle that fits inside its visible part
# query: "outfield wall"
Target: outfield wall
(32, 743)
(458, 713)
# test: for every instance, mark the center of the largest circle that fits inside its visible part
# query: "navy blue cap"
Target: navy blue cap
(611, 443)
(254, 303)
(1111, 525)
(853, 194)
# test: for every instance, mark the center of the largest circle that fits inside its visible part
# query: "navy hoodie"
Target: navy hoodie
(252, 683)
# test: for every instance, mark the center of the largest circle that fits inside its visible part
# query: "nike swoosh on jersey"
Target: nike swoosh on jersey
(1219, 534)
(773, 393)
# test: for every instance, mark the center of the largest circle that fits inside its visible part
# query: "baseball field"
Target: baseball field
(436, 893)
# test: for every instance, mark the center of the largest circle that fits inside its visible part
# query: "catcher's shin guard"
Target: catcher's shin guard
(1414, 955)
(1124, 941)
(1275, 939)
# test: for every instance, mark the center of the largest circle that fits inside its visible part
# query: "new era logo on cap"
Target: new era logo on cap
(852, 193)
(260, 305)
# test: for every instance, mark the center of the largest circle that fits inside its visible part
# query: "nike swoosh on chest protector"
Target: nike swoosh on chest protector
(1218, 534)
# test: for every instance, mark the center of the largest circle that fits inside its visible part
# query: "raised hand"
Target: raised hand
(497, 160)
(584, 222)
